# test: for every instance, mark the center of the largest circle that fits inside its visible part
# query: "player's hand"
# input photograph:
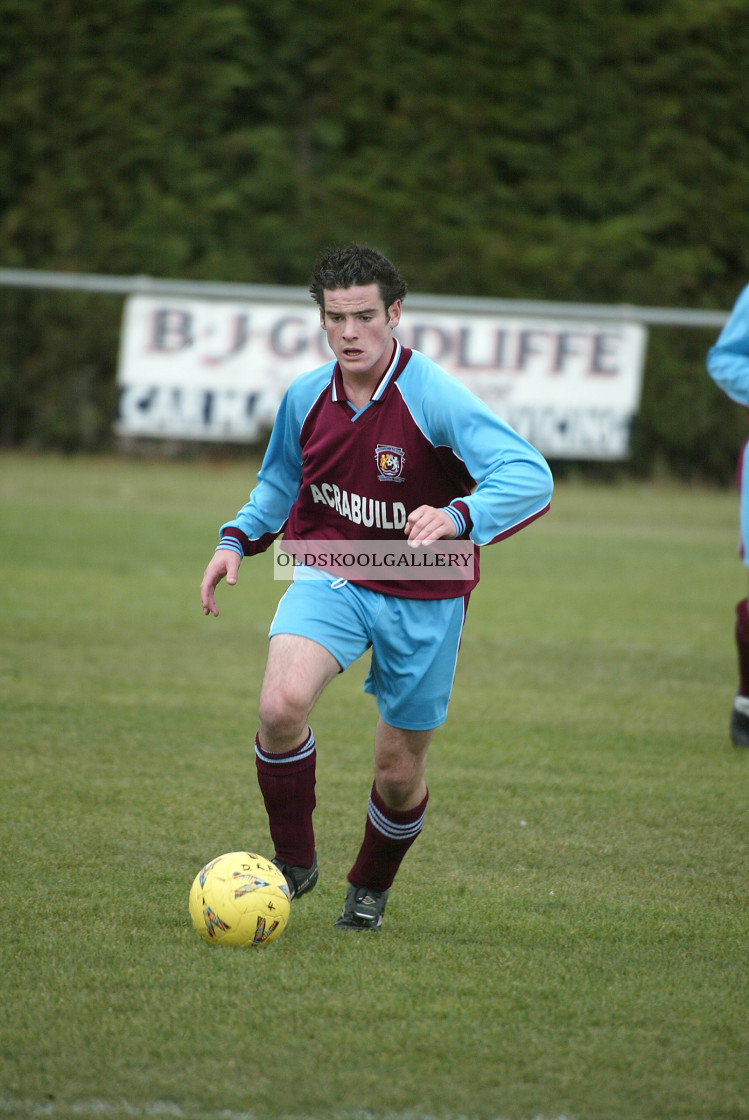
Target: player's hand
(225, 564)
(427, 525)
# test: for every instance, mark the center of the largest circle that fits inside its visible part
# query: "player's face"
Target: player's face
(360, 329)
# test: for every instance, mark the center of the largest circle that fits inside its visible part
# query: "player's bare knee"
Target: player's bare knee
(281, 713)
(396, 783)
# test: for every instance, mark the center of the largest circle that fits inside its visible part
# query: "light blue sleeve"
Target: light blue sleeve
(513, 480)
(280, 474)
(728, 359)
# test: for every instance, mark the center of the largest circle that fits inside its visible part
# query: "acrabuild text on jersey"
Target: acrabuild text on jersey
(359, 509)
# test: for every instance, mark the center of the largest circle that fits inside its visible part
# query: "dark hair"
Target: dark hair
(353, 265)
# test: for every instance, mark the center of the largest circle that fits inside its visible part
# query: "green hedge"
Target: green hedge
(580, 151)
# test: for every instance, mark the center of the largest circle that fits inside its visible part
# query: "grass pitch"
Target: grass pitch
(568, 937)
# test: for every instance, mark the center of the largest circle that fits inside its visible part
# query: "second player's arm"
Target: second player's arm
(728, 359)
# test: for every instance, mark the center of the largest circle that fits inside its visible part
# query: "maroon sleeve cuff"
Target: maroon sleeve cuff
(466, 515)
(250, 547)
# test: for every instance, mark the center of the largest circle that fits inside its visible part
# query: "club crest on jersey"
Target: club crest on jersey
(390, 462)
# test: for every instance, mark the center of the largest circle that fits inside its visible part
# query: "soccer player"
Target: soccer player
(378, 444)
(728, 365)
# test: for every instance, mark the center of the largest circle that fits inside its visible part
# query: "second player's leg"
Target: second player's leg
(739, 726)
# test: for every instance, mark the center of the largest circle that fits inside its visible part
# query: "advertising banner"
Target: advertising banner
(215, 370)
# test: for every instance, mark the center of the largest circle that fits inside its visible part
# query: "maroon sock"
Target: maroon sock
(742, 645)
(287, 783)
(388, 834)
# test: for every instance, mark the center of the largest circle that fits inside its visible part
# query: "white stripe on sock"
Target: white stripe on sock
(304, 751)
(390, 828)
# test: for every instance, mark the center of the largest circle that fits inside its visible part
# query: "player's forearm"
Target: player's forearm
(730, 372)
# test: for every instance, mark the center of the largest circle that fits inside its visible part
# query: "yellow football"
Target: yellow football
(239, 898)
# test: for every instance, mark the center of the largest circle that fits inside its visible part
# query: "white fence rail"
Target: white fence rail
(262, 293)
(210, 361)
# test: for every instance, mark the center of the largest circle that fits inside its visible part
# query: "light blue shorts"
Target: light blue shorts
(414, 643)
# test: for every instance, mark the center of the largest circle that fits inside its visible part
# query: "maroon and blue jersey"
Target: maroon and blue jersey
(728, 359)
(728, 365)
(335, 472)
